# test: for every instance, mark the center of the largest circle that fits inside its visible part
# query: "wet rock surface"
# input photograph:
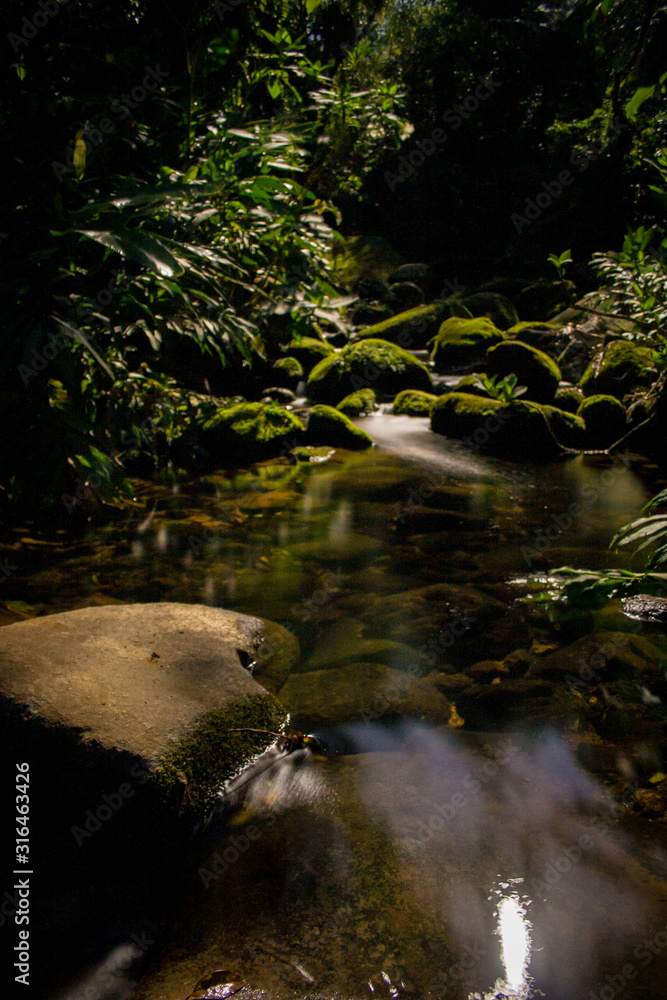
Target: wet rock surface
(392, 867)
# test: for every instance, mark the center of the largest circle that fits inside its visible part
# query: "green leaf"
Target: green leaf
(140, 246)
(312, 5)
(640, 95)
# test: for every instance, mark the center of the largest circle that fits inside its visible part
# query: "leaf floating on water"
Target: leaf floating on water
(217, 985)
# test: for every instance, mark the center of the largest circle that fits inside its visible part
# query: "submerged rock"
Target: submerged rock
(374, 364)
(328, 426)
(360, 691)
(601, 656)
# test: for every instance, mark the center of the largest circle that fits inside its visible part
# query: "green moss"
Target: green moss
(568, 428)
(412, 328)
(362, 401)
(212, 753)
(463, 341)
(622, 368)
(308, 351)
(311, 453)
(516, 429)
(527, 325)
(414, 403)
(569, 399)
(290, 367)
(250, 431)
(329, 426)
(376, 364)
(533, 368)
(606, 420)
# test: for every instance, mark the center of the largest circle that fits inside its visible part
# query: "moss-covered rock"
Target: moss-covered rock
(622, 368)
(362, 401)
(313, 453)
(470, 384)
(533, 368)
(510, 429)
(406, 295)
(250, 432)
(569, 399)
(498, 308)
(309, 351)
(461, 341)
(368, 313)
(412, 328)
(605, 418)
(329, 426)
(568, 428)
(276, 394)
(544, 299)
(413, 403)
(288, 371)
(376, 364)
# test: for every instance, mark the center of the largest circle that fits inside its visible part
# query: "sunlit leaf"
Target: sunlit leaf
(140, 246)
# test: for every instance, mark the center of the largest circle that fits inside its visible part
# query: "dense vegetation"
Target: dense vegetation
(185, 182)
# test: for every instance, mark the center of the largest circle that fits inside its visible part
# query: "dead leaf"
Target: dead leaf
(217, 985)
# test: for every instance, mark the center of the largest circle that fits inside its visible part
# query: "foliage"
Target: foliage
(504, 389)
(559, 261)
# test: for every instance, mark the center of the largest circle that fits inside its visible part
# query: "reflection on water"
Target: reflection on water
(419, 861)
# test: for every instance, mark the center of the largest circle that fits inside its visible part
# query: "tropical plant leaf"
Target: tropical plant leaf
(140, 246)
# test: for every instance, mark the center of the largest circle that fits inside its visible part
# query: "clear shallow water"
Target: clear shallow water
(348, 552)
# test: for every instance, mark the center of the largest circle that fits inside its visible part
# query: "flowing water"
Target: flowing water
(425, 860)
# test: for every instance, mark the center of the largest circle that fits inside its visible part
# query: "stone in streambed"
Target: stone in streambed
(601, 656)
(645, 608)
(622, 368)
(462, 341)
(375, 364)
(413, 403)
(328, 426)
(362, 401)
(605, 418)
(533, 369)
(157, 684)
(360, 691)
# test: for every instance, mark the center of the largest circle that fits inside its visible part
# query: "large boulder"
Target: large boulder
(533, 368)
(461, 341)
(156, 685)
(410, 329)
(569, 429)
(514, 429)
(329, 426)
(250, 432)
(620, 369)
(288, 371)
(606, 420)
(375, 364)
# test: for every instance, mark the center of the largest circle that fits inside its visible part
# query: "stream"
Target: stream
(487, 861)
